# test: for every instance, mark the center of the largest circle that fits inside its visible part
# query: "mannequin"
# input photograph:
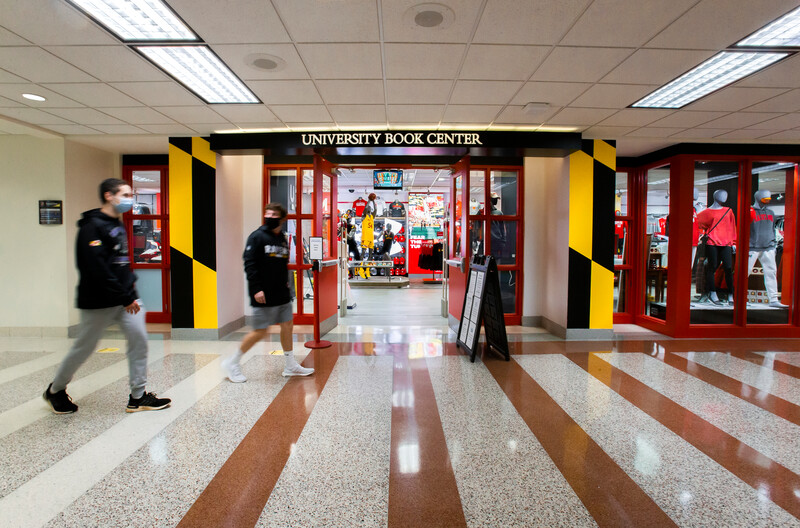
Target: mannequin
(719, 225)
(352, 247)
(368, 227)
(388, 238)
(497, 230)
(763, 244)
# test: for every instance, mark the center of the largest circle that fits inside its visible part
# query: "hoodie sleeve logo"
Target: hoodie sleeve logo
(95, 243)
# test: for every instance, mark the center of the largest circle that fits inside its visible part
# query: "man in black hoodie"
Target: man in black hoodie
(106, 294)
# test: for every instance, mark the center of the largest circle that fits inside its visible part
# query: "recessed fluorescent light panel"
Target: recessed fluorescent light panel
(717, 72)
(137, 20)
(782, 33)
(201, 71)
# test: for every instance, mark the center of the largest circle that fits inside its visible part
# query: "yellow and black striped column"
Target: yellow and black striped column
(192, 233)
(592, 177)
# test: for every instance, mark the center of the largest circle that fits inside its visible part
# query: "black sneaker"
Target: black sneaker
(60, 402)
(148, 402)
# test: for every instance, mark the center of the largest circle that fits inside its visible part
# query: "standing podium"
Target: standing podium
(483, 305)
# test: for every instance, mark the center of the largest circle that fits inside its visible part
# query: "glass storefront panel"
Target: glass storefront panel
(146, 192)
(283, 188)
(503, 237)
(457, 221)
(621, 242)
(477, 191)
(655, 242)
(714, 232)
(148, 285)
(621, 196)
(307, 198)
(620, 276)
(327, 205)
(769, 274)
(307, 280)
(476, 237)
(508, 290)
(503, 193)
(146, 242)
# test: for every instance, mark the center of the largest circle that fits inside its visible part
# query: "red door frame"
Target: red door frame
(457, 280)
(626, 316)
(325, 285)
(677, 322)
(165, 314)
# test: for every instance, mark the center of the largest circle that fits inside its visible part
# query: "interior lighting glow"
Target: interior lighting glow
(781, 33)
(717, 72)
(137, 20)
(34, 97)
(200, 71)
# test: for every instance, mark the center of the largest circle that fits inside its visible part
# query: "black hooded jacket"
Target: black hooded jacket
(266, 259)
(101, 252)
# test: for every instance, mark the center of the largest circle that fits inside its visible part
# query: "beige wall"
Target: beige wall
(85, 168)
(252, 215)
(546, 266)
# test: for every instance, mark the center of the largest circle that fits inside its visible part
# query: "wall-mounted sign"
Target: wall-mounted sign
(315, 248)
(51, 212)
(388, 139)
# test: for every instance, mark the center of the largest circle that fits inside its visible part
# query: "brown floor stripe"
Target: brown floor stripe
(610, 494)
(757, 470)
(428, 497)
(774, 364)
(239, 491)
(769, 402)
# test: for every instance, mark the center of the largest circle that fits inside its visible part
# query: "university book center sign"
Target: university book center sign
(389, 139)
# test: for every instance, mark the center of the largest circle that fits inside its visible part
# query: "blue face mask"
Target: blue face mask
(124, 205)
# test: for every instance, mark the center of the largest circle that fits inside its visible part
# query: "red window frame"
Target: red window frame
(626, 315)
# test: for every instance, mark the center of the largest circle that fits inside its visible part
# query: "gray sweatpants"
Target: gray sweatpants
(93, 324)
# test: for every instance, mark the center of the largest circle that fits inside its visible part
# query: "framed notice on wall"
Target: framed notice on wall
(51, 212)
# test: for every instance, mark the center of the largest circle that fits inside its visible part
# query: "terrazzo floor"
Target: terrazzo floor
(398, 428)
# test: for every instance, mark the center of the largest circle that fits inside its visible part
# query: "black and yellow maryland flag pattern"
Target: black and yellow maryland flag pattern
(192, 233)
(592, 177)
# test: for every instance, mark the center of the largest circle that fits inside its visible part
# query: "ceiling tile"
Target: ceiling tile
(397, 29)
(68, 130)
(623, 22)
(734, 98)
(54, 100)
(636, 117)
(351, 21)
(85, 116)
(612, 95)
(514, 115)
(342, 61)
(138, 115)
(286, 92)
(236, 113)
(10, 103)
(351, 92)
(345, 114)
(190, 115)
(109, 63)
(740, 120)
(302, 113)
(484, 92)
(687, 118)
(655, 132)
(259, 125)
(580, 116)
(239, 59)
(167, 93)
(97, 95)
(526, 22)
(580, 64)
(414, 113)
(246, 22)
(555, 93)
(744, 134)
(418, 92)
(502, 63)
(786, 102)
(638, 146)
(8, 77)
(717, 24)
(786, 135)
(403, 61)
(701, 133)
(34, 116)
(37, 65)
(784, 74)
(172, 129)
(784, 122)
(209, 128)
(470, 113)
(606, 132)
(304, 125)
(119, 129)
(52, 22)
(7, 38)
(656, 66)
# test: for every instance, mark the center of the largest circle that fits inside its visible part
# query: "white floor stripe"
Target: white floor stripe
(43, 497)
(29, 367)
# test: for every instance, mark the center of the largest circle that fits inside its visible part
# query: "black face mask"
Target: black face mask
(272, 223)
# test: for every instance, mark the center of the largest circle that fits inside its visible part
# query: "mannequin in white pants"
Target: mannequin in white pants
(763, 244)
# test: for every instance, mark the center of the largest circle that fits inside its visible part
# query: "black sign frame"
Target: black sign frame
(51, 212)
(483, 306)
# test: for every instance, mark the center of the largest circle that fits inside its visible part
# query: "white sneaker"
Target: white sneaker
(778, 304)
(297, 370)
(233, 369)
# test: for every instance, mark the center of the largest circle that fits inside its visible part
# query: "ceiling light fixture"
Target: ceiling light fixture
(535, 108)
(265, 62)
(197, 68)
(717, 72)
(781, 33)
(33, 97)
(429, 16)
(137, 20)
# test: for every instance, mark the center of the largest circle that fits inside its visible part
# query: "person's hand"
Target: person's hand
(259, 297)
(133, 308)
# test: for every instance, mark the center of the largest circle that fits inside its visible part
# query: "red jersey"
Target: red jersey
(724, 234)
(359, 206)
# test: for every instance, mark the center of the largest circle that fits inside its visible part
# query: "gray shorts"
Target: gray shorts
(264, 316)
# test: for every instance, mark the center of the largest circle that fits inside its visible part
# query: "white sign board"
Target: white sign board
(315, 248)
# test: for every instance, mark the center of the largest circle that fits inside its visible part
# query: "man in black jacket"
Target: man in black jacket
(266, 259)
(106, 294)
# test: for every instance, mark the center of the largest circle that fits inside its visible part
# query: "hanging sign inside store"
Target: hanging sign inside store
(483, 305)
(51, 212)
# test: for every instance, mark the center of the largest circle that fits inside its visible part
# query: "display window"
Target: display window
(622, 248)
(655, 256)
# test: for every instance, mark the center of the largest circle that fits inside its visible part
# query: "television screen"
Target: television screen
(387, 179)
